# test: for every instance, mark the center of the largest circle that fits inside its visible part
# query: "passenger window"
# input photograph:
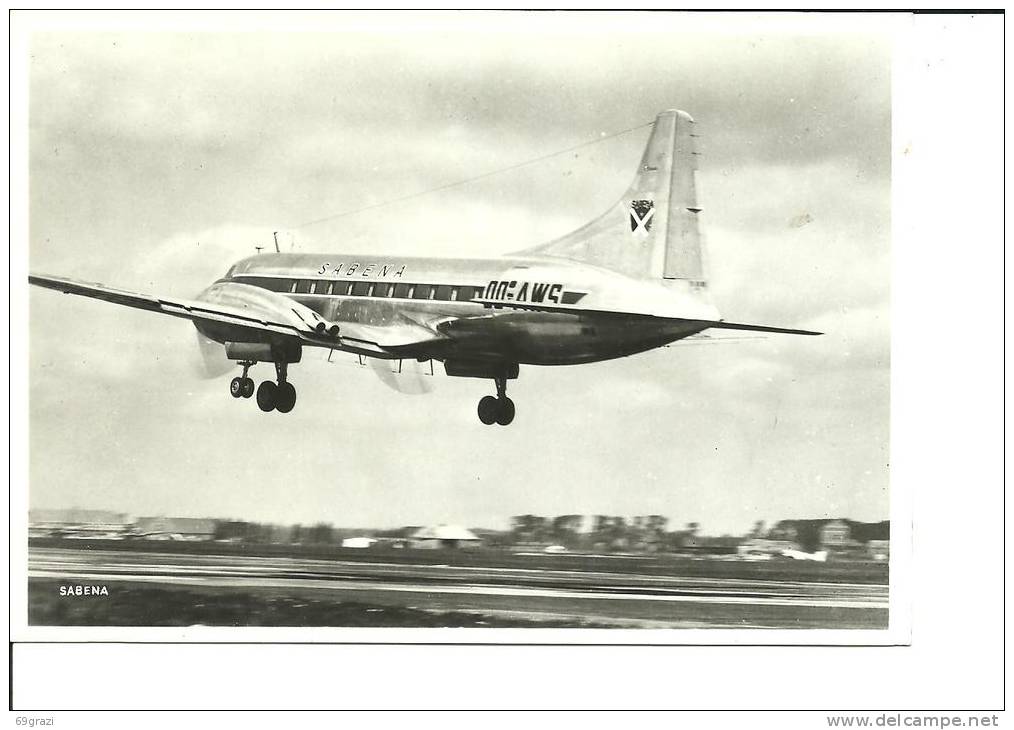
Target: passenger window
(342, 288)
(292, 286)
(380, 289)
(423, 291)
(402, 291)
(303, 287)
(325, 287)
(361, 289)
(465, 293)
(443, 293)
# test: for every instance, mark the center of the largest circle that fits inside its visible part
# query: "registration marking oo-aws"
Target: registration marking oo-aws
(527, 292)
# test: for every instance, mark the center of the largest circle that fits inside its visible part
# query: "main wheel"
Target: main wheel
(236, 387)
(488, 408)
(285, 397)
(248, 387)
(505, 412)
(266, 396)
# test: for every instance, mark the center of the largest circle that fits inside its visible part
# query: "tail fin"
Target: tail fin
(652, 232)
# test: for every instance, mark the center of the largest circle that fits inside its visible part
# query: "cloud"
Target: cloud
(158, 159)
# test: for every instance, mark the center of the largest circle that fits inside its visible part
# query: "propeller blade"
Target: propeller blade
(414, 377)
(210, 360)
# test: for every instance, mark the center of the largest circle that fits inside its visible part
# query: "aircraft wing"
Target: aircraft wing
(244, 308)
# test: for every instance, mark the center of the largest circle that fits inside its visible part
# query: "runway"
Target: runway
(599, 596)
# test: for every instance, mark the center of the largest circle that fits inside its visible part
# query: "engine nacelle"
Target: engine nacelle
(263, 352)
(480, 369)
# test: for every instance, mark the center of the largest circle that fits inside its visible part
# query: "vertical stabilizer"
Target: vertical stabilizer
(652, 232)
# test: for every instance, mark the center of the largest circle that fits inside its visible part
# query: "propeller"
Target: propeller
(210, 360)
(414, 378)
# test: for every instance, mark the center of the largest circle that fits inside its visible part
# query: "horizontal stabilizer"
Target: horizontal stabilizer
(755, 328)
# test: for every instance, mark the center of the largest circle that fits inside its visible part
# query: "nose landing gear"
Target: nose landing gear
(498, 410)
(243, 386)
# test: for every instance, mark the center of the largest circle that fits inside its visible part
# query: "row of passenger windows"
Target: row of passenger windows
(384, 289)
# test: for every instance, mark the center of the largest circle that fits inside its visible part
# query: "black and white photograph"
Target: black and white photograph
(459, 337)
(475, 327)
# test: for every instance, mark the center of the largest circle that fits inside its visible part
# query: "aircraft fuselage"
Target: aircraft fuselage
(522, 310)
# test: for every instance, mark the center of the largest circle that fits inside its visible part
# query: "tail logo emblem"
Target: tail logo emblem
(641, 214)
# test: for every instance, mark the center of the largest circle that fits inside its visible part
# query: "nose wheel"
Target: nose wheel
(242, 386)
(498, 410)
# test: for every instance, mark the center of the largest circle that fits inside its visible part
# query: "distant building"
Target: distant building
(174, 528)
(784, 531)
(766, 546)
(443, 536)
(94, 524)
(841, 538)
(835, 534)
(879, 549)
(358, 542)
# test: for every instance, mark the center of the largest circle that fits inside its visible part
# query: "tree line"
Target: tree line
(321, 533)
(643, 532)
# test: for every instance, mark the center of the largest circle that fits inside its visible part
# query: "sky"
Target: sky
(157, 159)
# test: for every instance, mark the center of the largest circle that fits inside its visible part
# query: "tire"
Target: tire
(285, 398)
(505, 412)
(488, 409)
(236, 387)
(266, 396)
(248, 387)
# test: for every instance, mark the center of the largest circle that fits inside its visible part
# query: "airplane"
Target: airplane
(629, 281)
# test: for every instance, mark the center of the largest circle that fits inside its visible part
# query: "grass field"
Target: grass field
(146, 605)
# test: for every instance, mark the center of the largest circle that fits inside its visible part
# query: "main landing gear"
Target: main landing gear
(497, 410)
(280, 396)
